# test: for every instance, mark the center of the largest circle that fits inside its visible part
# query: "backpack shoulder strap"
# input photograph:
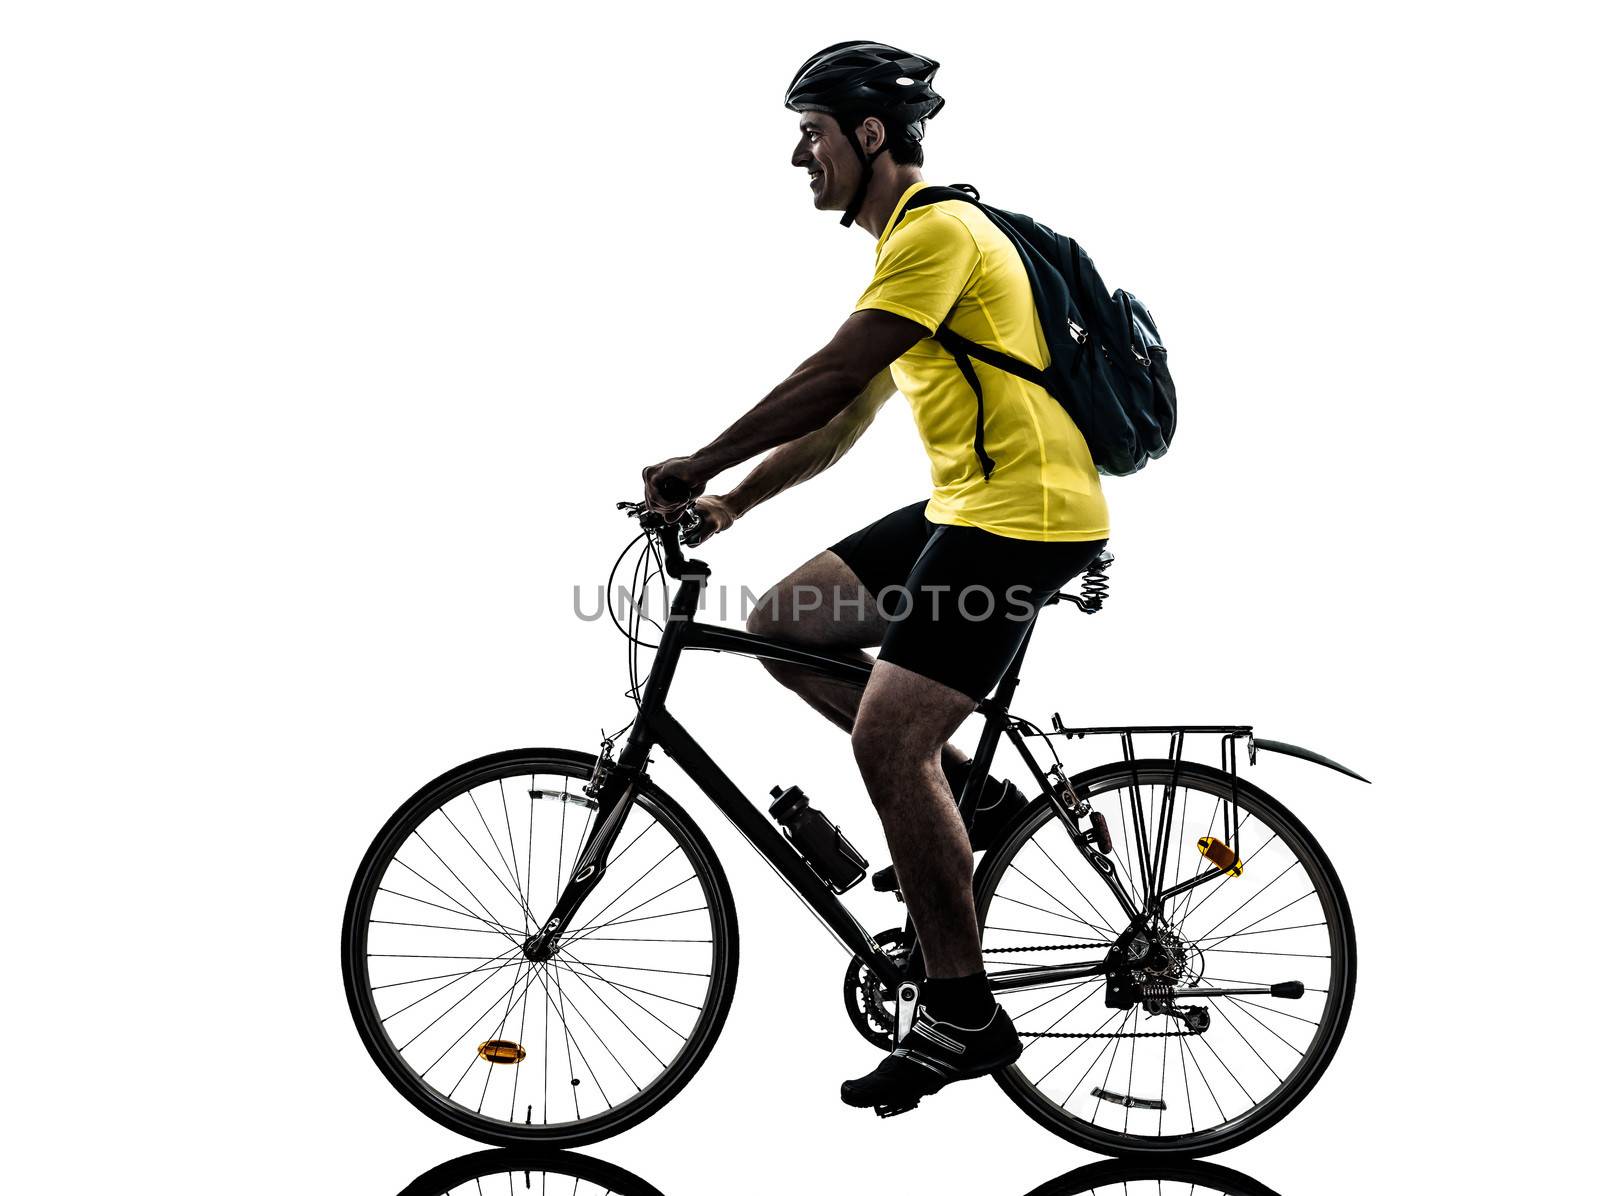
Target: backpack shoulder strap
(963, 350)
(930, 195)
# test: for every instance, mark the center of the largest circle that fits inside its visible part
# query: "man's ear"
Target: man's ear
(871, 134)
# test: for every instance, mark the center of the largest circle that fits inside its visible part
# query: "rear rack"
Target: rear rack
(1228, 735)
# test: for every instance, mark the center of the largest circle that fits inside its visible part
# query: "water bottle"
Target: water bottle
(819, 842)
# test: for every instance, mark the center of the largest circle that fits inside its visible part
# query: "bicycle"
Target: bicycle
(581, 922)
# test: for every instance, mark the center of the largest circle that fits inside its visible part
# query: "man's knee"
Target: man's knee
(885, 754)
(763, 619)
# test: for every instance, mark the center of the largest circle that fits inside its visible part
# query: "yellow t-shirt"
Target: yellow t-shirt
(947, 261)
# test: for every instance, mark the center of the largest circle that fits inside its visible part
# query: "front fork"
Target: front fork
(614, 781)
(612, 786)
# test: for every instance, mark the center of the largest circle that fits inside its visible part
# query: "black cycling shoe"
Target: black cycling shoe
(931, 1055)
(997, 805)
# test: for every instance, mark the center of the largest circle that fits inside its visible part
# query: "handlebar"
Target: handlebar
(671, 533)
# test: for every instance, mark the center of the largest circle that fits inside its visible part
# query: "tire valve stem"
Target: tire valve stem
(1223, 857)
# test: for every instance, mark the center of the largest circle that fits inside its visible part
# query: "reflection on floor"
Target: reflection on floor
(1164, 1177)
(561, 1172)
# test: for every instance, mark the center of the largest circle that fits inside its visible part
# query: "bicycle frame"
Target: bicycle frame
(654, 725)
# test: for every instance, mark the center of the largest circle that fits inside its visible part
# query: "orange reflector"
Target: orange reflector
(1221, 855)
(501, 1050)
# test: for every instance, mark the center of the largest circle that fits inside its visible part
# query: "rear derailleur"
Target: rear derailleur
(1148, 965)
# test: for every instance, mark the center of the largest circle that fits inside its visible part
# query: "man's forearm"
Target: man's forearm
(825, 385)
(789, 465)
(802, 403)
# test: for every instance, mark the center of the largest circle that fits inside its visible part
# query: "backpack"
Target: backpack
(1108, 367)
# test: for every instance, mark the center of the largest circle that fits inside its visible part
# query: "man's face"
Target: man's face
(824, 152)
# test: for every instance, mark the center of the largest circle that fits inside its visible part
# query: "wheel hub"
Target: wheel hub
(1169, 959)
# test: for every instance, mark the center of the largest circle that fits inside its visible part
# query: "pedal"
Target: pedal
(1102, 832)
(1222, 857)
(896, 1110)
(1127, 1102)
(885, 881)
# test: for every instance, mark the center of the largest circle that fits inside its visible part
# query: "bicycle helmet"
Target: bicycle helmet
(861, 78)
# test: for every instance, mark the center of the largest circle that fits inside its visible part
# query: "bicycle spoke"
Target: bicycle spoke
(624, 989)
(488, 920)
(483, 967)
(1105, 924)
(498, 879)
(589, 927)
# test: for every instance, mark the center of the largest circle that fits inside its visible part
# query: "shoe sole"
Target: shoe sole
(892, 1110)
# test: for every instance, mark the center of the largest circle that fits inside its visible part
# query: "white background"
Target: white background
(332, 331)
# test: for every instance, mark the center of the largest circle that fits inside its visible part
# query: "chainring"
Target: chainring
(871, 1006)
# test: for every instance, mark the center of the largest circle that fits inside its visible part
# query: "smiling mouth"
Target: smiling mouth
(816, 177)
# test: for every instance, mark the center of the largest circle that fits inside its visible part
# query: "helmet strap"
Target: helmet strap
(854, 207)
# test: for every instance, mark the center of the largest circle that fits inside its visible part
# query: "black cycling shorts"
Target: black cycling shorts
(959, 600)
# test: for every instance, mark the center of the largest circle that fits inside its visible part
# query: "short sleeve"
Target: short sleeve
(923, 268)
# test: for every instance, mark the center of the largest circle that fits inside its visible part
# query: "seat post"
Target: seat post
(1006, 690)
(995, 717)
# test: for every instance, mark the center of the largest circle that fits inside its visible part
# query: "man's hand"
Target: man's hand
(716, 515)
(670, 485)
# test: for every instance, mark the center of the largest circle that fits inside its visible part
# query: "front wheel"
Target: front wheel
(557, 1052)
(1186, 1075)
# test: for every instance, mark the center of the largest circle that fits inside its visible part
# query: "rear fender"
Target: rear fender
(1290, 749)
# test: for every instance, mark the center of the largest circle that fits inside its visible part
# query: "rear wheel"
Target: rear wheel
(1138, 1081)
(558, 1052)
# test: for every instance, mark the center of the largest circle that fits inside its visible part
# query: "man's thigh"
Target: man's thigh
(832, 599)
(820, 604)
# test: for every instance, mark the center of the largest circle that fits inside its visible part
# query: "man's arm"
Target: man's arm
(803, 459)
(823, 386)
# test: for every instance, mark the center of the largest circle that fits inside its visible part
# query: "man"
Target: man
(1016, 512)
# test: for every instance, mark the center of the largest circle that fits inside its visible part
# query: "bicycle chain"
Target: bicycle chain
(1096, 1034)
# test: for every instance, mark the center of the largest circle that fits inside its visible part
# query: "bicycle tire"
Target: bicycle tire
(1342, 964)
(504, 1132)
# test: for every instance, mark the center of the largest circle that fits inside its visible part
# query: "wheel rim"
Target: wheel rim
(486, 1038)
(1282, 919)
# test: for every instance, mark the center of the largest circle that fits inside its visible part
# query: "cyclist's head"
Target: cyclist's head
(859, 100)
